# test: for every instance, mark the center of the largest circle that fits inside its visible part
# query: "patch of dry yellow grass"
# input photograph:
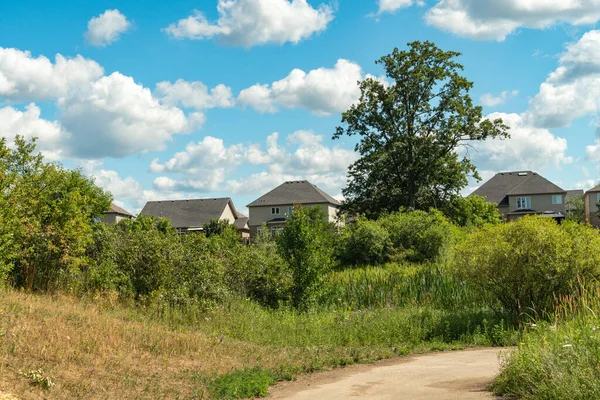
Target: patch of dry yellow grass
(94, 354)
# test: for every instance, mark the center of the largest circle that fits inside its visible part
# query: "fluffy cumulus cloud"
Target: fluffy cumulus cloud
(28, 124)
(254, 22)
(490, 100)
(528, 148)
(389, 6)
(106, 28)
(194, 95)
(114, 116)
(205, 166)
(24, 77)
(496, 19)
(592, 152)
(571, 91)
(323, 91)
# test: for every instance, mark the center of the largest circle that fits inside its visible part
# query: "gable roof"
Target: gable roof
(115, 209)
(573, 193)
(188, 213)
(516, 183)
(294, 192)
(594, 189)
(241, 221)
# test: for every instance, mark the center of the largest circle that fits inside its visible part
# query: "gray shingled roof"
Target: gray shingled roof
(241, 221)
(188, 213)
(594, 189)
(294, 192)
(115, 209)
(573, 193)
(516, 183)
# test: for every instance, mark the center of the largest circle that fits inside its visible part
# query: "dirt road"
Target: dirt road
(460, 375)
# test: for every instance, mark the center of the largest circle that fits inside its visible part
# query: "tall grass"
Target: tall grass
(399, 285)
(559, 359)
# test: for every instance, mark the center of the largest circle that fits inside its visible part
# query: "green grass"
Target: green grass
(243, 383)
(399, 285)
(559, 359)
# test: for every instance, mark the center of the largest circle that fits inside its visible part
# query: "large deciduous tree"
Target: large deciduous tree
(412, 127)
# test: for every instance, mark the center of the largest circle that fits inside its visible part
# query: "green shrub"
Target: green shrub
(473, 211)
(363, 242)
(418, 235)
(525, 264)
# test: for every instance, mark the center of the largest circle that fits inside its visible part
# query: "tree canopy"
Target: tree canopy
(412, 128)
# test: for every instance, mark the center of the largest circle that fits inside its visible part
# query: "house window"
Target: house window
(523, 203)
(598, 198)
(557, 199)
(275, 210)
(275, 230)
(290, 209)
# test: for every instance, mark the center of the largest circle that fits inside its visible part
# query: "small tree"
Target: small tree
(306, 244)
(575, 208)
(215, 227)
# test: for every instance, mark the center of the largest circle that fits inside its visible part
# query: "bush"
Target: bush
(418, 235)
(525, 264)
(473, 211)
(364, 242)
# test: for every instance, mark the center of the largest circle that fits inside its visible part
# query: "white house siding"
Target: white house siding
(228, 215)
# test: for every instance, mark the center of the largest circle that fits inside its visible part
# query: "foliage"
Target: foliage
(243, 384)
(306, 244)
(525, 264)
(575, 207)
(215, 227)
(419, 235)
(410, 132)
(363, 242)
(558, 359)
(52, 211)
(473, 211)
(37, 378)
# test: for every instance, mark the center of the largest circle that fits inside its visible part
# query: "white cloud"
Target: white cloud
(592, 152)
(207, 164)
(571, 91)
(585, 185)
(496, 19)
(490, 100)
(322, 91)
(28, 124)
(194, 95)
(528, 148)
(389, 6)
(254, 22)
(116, 117)
(201, 158)
(106, 28)
(27, 78)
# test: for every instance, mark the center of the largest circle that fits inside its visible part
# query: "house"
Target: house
(523, 193)
(570, 195)
(275, 207)
(190, 215)
(115, 214)
(591, 198)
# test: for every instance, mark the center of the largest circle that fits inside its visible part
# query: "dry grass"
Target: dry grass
(94, 354)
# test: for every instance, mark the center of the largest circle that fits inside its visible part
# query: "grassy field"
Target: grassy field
(63, 348)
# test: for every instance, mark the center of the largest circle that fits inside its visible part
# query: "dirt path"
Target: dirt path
(459, 375)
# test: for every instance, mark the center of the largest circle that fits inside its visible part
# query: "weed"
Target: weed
(37, 378)
(243, 383)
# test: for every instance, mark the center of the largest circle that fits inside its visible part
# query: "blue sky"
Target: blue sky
(187, 99)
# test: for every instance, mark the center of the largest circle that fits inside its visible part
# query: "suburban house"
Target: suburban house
(190, 215)
(591, 199)
(115, 214)
(523, 193)
(274, 207)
